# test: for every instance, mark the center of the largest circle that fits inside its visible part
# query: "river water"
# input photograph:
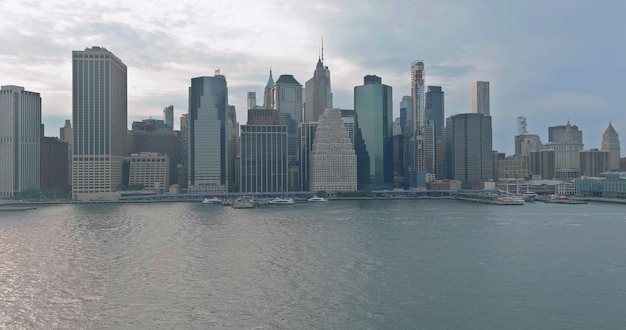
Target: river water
(397, 264)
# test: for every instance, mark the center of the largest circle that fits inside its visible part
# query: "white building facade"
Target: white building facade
(333, 160)
(20, 138)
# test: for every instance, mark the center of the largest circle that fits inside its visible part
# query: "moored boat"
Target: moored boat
(317, 199)
(281, 201)
(212, 200)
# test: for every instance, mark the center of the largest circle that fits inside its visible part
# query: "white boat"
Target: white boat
(529, 196)
(317, 199)
(212, 200)
(281, 201)
(245, 202)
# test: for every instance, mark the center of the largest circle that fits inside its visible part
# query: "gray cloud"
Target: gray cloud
(563, 61)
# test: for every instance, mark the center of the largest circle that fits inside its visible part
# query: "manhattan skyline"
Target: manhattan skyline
(551, 65)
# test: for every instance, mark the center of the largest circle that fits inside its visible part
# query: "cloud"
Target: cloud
(565, 60)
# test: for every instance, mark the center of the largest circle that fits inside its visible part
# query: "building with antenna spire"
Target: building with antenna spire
(267, 95)
(317, 89)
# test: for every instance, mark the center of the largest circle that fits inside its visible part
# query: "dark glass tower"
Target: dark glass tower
(373, 106)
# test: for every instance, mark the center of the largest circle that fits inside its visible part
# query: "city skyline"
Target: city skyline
(530, 57)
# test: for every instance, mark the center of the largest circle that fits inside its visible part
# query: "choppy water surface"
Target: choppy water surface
(400, 264)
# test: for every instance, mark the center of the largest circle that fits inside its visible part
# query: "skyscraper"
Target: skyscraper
(415, 171)
(373, 107)
(99, 115)
(565, 133)
(267, 94)
(168, 117)
(233, 148)
(318, 94)
(480, 98)
(435, 117)
(567, 142)
(593, 162)
(208, 135)
(610, 143)
(469, 154)
(264, 165)
(20, 138)
(333, 160)
(287, 99)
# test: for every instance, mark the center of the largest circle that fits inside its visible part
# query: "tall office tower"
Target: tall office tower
(264, 166)
(406, 114)
(287, 99)
(54, 165)
(435, 109)
(565, 133)
(155, 136)
(435, 113)
(374, 110)
(307, 136)
(593, 162)
(183, 157)
(20, 136)
(542, 163)
(480, 98)
(333, 160)
(233, 149)
(267, 94)
(430, 147)
(567, 142)
(610, 143)
(566, 158)
(66, 135)
(99, 114)
(208, 135)
(168, 116)
(469, 148)
(398, 150)
(251, 100)
(415, 169)
(318, 95)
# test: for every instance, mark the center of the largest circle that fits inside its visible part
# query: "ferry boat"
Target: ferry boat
(317, 199)
(212, 200)
(281, 201)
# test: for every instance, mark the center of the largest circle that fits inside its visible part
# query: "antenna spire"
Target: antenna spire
(322, 49)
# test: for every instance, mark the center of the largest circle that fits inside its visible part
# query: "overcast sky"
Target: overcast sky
(548, 60)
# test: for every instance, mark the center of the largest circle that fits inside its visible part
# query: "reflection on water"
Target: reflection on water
(353, 264)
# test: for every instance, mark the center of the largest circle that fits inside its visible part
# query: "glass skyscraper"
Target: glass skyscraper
(208, 135)
(373, 107)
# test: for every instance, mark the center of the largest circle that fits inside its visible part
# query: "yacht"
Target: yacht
(317, 199)
(281, 201)
(212, 200)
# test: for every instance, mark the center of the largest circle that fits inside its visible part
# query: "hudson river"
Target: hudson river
(397, 264)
